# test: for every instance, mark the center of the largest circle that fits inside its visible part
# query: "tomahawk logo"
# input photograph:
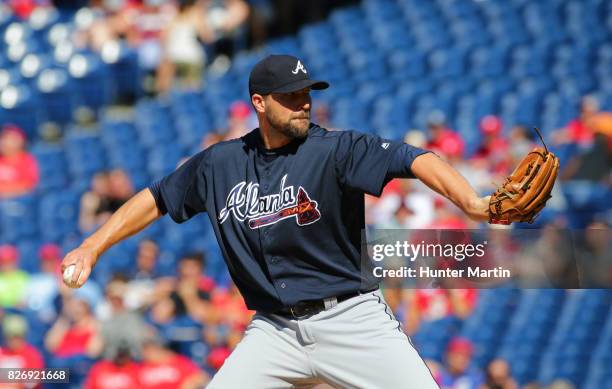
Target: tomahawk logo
(299, 67)
(244, 203)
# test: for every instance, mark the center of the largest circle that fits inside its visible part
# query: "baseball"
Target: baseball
(68, 272)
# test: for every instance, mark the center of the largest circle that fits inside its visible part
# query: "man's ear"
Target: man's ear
(259, 102)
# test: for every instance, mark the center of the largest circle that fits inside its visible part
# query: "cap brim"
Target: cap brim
(301, 84)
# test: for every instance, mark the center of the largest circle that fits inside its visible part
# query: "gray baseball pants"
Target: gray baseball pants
(357, 343)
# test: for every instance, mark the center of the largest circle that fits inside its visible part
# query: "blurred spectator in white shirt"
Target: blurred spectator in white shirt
(183, 54)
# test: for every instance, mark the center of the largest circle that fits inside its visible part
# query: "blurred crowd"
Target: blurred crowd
(151, 330)
(457, 373)
(584, 146)
(177, 40)
(142, 329)
(174, 40)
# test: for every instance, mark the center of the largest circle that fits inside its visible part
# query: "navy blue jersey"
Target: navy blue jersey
(288, 220)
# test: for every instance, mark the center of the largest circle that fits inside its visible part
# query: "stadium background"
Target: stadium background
(107, 105)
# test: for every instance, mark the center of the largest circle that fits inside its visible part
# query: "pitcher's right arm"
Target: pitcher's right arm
(133, 216)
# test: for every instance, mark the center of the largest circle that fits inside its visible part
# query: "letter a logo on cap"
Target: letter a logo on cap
(299, 67)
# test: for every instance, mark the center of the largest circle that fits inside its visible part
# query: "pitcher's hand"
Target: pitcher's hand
(83, 259)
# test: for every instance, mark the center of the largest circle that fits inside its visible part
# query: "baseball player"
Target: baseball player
(286, 202)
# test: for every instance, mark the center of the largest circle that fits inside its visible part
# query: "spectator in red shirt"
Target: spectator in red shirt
(457, 373)
(119, 373)
(217, 357)
(426, 305)
(16, 352)
(435, 304)
(443, 140)
(74, 332)
(23, 8)
(494, 147)
(230, 308)
(164, 369)
(579, 131)
(18, 168)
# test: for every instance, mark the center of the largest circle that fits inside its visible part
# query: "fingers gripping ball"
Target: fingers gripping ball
(68, 272)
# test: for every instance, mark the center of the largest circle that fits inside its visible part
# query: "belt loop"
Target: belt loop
(330, 302)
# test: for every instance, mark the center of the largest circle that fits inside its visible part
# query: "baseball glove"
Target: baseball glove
(525, 192)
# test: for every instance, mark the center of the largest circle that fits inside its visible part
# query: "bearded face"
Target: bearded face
(289, 113)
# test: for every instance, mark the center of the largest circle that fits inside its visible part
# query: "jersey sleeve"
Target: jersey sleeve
(362, 161)
(401, 163)
(182, 193)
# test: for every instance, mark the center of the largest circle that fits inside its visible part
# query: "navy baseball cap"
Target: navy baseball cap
(281, 74)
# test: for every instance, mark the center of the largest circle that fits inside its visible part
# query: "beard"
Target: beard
(295, 127)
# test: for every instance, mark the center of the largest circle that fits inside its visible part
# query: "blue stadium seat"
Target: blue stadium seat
(124, 69)
(154, 123)
(164, 159)
(85, 155)
(407, 64)
(57, 95)
(92, 79)
(58, 214)
(529, 331)
(287, 45)
(487, 324)
(432, 338)
(570, 361)
(28, 255)
(52, 167)
(182, 333)
(21, 105)
(13, 214)
(117, 132)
